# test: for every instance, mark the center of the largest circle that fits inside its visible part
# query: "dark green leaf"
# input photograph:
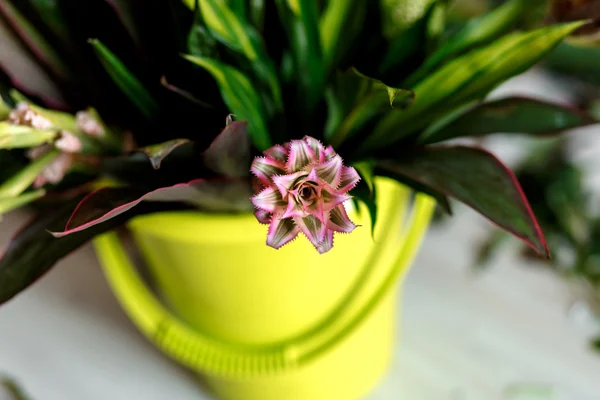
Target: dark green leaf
(478, 179)
(228, 28)
(125, 80)
(301, 19)
(158, 152)
(125, 9)
(377, 99)
(20, 181)
(341, 22)
(408, 49)
(579, 62)
(510, 115)
(33, 251)
(596, 344)
(200, 42)
(33, 38)
(465, 79)
(11, 203)
(477, 32)
(241, 98)
(368, 198)
(257, 13)
(226, 25)
(346, 91)
(13, 389)
(17, 136)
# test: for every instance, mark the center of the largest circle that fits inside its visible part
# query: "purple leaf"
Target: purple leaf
(479, 180)
(34, 40)
(107, 203)
(33, 251)
(511, 115)
(158, 152)
(229, 153)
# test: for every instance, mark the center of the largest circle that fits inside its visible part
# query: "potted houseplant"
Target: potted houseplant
(329, 114)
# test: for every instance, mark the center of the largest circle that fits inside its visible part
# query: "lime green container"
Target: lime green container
(265, 324)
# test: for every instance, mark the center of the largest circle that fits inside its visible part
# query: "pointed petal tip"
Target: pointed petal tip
(281, 231)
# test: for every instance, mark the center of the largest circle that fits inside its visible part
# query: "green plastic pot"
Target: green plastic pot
(265, 324)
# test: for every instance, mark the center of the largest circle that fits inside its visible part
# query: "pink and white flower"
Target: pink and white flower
(303, 188)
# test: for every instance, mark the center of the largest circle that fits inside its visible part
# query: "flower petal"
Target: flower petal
(330, 171)
(264, 217)
(327, 243)
(294, 209)
(265, 168)
(331, 199)
(281, 231)
(329, 153)
(269, 200)
(339, 221)
(286, 182)
(300, 156)
(277, 152)
(317, 148)
(313, 228)
(349, 179)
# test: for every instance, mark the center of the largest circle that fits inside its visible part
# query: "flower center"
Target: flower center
(306, 192)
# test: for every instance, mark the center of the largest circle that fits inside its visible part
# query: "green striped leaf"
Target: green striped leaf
(4, 109)
(52, 15)
(228, 28)
(11, 203)
(241, 98)
(301, 20)
(477, 32)
(19, 137)
(125, 80)
(339, 25)
(228, 25)
(467, 78)
(19, 182)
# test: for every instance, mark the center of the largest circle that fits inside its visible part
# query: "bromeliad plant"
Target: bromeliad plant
(324, 95)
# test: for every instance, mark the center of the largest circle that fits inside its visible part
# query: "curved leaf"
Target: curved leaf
(478, 179)
(108, 203)
(33, 251)
(475, 33)
(228, 28)
(301, 20)
(10, 203)
(467, 78)
(239, 95)
(510, 115)
(340, 24)
(125, 80)
(158, 152)
(19, 182)
(17, 136)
